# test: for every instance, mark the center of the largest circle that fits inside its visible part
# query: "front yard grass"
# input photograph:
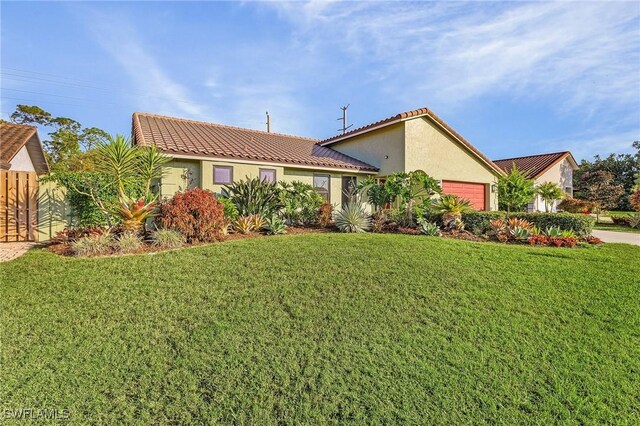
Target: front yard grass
(327, 328)
(616, 228)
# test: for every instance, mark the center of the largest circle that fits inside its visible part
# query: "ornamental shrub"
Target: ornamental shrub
(300, 202)
(128, 242)
(196, 214)
(254, 196)
(515, 190)
(581, 224)
(230, 209)
(634, 200)
(93, 245)
(574, 205)
(167, 238)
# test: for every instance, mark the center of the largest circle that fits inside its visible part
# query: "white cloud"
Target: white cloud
(586, 55)
(154, 90)
(585, 145)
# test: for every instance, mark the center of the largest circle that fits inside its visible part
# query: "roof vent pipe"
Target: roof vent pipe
(268, 122)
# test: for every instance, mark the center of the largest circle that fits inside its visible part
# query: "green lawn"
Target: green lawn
(616, 228)
(327, 328)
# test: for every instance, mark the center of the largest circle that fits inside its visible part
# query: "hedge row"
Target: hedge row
(478, 222)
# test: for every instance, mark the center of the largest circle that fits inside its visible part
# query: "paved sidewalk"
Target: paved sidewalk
(617, 237)
(10, 251)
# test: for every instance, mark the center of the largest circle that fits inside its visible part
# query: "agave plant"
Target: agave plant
(353, 218)
(520, 233)
(451, 206)
(429, 229)
(275, 226)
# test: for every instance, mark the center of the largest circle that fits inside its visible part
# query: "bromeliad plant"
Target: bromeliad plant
(127, 162)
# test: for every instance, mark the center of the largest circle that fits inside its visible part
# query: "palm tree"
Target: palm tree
(549, 192)
(451, 206)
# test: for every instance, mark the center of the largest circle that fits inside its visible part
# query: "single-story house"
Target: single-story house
(211, 155)
(556, 167)
(22, 160)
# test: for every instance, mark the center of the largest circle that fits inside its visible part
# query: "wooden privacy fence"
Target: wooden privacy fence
(18, 206)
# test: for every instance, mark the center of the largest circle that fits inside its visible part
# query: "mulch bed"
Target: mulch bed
(65, 249)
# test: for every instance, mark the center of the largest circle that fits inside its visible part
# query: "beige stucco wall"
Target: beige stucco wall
(429, 148)
(21, 162)
(203, 169)
(561, 174)
(419, 144)
(384, 148)
(54, 214)
(172, 179)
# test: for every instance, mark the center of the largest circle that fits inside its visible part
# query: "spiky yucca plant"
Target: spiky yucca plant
(353, 218)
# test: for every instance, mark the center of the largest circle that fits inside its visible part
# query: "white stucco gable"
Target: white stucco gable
(21, 162)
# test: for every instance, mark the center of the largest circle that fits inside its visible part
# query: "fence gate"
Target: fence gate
(18, 206)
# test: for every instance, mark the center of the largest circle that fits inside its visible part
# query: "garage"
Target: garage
(474, 192)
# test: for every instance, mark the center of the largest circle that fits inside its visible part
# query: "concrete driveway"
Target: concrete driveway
(617, 237)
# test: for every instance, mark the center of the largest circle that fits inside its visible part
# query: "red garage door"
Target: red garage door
(475, 192)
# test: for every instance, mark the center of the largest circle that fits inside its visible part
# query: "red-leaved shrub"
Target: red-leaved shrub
(325, 214)
(538, 240)
(574, 205)
(196, 214)
(563, 241)
(634, 200)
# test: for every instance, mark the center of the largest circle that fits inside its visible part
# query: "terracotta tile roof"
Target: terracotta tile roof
(534, 165)
(421, 112)
(189, 137)
(13, 137)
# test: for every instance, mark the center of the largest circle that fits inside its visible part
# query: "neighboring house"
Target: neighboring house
(557, 167)
(212, 155)
(22, 160)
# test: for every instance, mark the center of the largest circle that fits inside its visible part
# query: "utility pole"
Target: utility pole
(268, 122)
(344, 119)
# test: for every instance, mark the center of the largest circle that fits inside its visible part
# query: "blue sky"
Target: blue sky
(514, 78)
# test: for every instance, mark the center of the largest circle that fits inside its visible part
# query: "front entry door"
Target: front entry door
(348, 188)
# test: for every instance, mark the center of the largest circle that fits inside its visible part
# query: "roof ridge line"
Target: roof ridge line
(532, 155)
(8, 123)
(209, 123)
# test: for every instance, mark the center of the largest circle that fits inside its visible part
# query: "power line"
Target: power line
(43, 94)
(71, 82)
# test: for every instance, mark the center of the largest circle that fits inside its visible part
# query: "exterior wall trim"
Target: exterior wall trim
(262, 163)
